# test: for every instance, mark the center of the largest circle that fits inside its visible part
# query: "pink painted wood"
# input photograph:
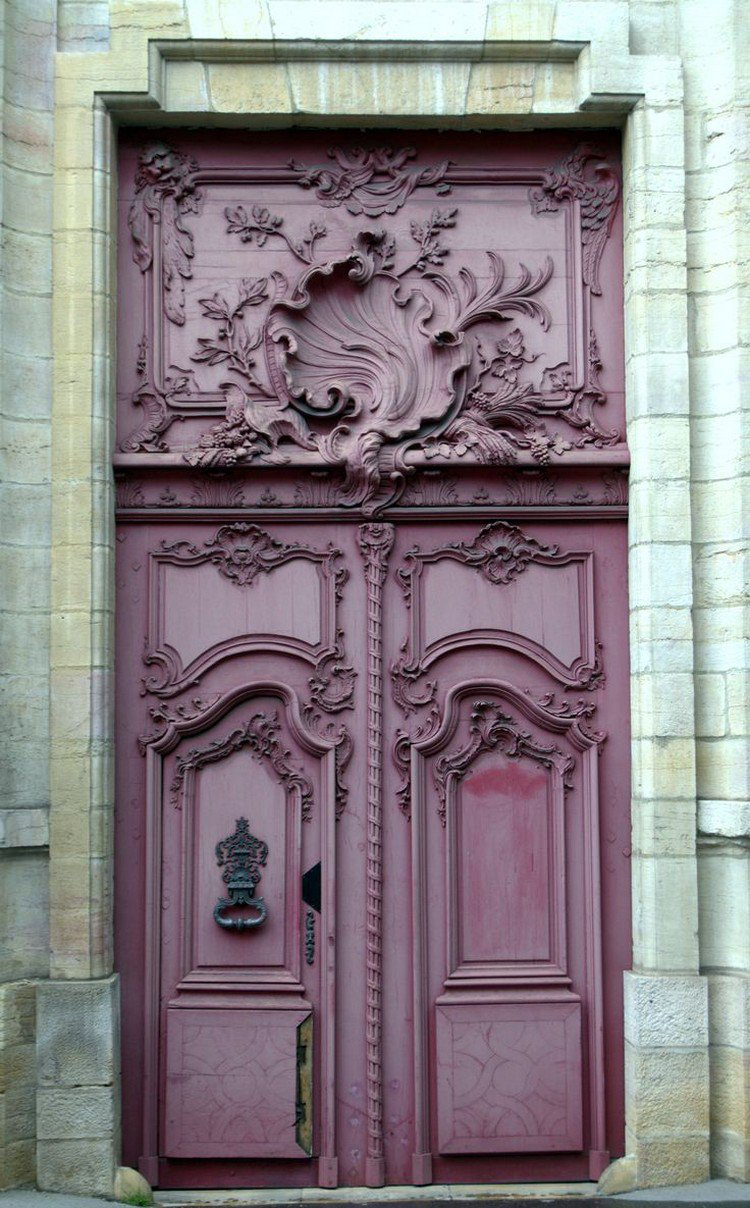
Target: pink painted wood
(372, 658)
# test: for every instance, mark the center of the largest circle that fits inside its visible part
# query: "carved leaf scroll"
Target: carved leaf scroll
(362, 363)
(597, 194)
(165, 192)
(260, 736)
(490, 728)
(370, 181)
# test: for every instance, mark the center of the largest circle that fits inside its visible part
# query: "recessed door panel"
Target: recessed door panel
(502, 868)
(509, 1077)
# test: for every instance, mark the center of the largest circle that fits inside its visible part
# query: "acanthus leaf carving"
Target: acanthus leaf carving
(260, 736)
(332, 685)
(491, 728)
(402, 755)
(343, 751)
(405, 676)
(589, 676)
(241, 551)
(597, 194)
(361, 363)
(373, 181)
(500, 551)
(165, 191)
(158, 415)
(167, 715)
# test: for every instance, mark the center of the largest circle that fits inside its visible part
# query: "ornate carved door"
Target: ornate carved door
(372, 796)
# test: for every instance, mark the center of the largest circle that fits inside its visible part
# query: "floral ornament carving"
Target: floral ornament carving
(332, 685)
(260, 736)
(241, 551)
(165, 191)
(402, 756)
(166, 715)
(343, 751)
(500, 551)
(362, 363)
(490, 728)
(580, 711)
(406, 674)
(158, 415)
(370, 181)
(584, 176)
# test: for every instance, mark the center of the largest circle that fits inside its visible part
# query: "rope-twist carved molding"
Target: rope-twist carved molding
(376, 541)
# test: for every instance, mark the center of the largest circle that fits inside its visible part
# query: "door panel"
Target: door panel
(372, 782)
(509, 1077)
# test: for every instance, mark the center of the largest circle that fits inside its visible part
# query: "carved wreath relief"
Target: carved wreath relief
(364, 358)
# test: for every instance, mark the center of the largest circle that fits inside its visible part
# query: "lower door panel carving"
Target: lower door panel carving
(508, 1076)
(233, 1084)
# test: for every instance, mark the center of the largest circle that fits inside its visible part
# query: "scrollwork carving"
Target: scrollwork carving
(359, 362)
(596, 192)
(500, 552)
(260, 735)
(165, 191)
(489, 729)
(370, 181)
(241, 551)
(332, 685)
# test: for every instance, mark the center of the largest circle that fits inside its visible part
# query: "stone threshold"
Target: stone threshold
(717, 1193)
(489, 1193)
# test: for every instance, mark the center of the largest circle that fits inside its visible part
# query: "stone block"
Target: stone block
(660, 574)
(248, 88)
(665, 913)
(75, 1113)
(77, 1167)
(662, 827)
(723, 768)
(710, 705)
(665, 1011)
(19, 1164)
(78, 1033)
(671, 1161)
(668, 1091)
(369, 20)
(619, 1176)
(500, 88)
(724, 894)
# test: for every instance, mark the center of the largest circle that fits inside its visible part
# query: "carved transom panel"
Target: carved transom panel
(371, 309)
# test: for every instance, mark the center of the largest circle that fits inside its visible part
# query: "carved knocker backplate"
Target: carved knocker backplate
(241, 856)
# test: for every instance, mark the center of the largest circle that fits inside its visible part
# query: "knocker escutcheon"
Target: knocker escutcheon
(242, 856)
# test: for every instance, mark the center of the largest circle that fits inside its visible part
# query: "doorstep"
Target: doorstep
(718, 1193)
(488, 1193)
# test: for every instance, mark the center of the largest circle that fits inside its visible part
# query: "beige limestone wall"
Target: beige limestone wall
(672, 75)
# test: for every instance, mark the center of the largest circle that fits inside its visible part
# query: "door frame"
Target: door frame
(567, 80)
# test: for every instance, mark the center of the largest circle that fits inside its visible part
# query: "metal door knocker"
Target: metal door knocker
(241, 856)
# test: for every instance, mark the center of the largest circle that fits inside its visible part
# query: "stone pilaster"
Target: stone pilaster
(78, 1086)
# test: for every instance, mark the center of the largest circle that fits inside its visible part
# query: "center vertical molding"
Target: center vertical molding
(376, 542)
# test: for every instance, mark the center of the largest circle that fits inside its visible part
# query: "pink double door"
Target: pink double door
(372, 812)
